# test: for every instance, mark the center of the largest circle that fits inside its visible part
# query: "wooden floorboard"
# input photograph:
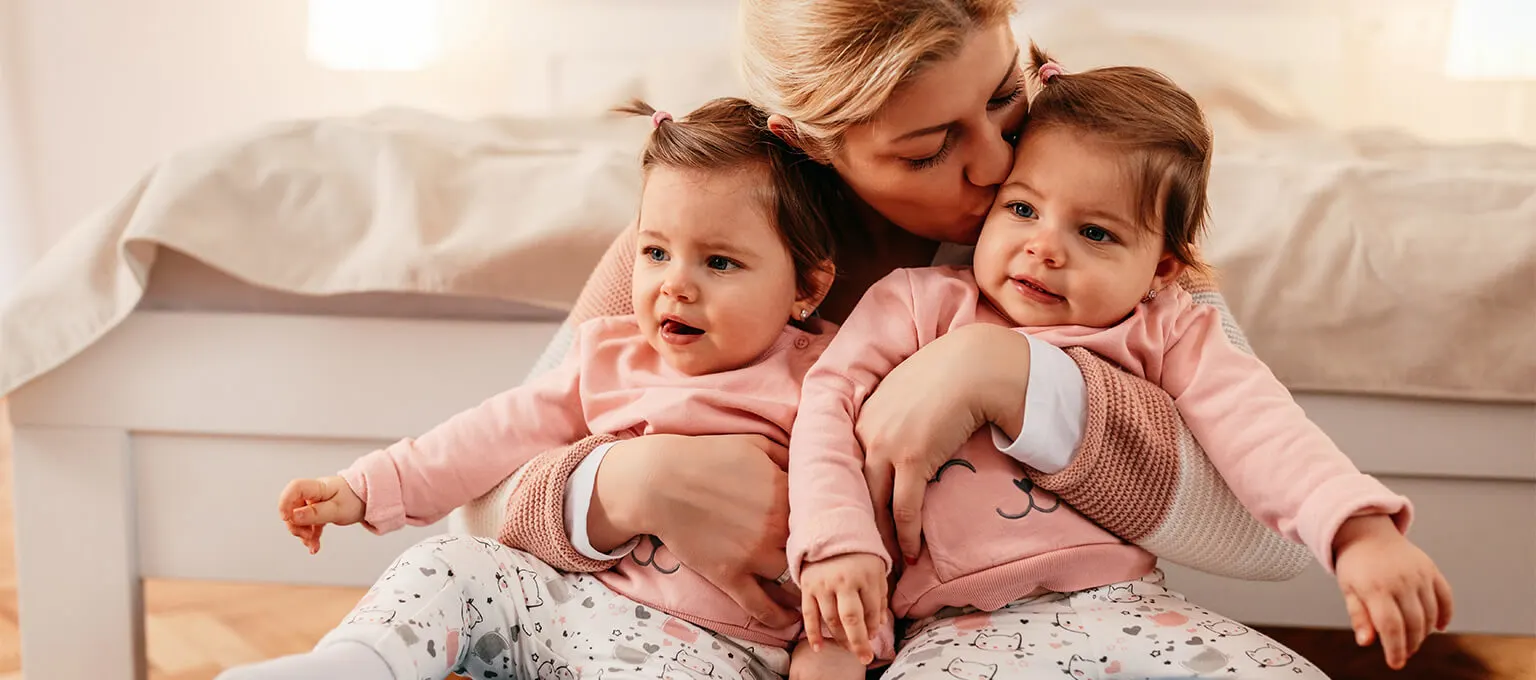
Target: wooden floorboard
(195, 629)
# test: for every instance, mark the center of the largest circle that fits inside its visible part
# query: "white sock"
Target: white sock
(337, 661)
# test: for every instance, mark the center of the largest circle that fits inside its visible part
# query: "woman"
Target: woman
(915, 104)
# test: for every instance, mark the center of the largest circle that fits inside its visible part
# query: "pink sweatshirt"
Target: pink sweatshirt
(990, 535)
(614, 383)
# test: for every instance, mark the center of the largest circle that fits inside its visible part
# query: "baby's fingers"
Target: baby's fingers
(1388, 621)
(1415, 623)
(811, 611)
(874, 609)
(1359, 619)
(850, 610)
(1443, 596)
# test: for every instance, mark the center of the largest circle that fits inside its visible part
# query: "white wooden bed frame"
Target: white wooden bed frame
(159, 451)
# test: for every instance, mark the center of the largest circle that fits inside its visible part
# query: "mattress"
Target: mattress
(181, 283)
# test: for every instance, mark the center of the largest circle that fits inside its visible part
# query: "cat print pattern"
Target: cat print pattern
(1138, 629)
(477, 608)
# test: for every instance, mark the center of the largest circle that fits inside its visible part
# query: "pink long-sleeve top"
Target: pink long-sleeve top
(990, 535)
(612, 382)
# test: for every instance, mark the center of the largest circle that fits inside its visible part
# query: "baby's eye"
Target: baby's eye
(721, 263)
(1097, 234)
(1022, 210)
(654, 254)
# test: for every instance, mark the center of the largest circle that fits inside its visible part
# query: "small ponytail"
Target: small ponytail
(1043, 66)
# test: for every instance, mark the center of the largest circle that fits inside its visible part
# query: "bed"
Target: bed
(165, 377)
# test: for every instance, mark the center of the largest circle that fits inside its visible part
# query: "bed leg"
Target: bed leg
(77, 563)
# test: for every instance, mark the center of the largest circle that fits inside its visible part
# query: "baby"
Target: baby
(735, 253)
(1085, 247)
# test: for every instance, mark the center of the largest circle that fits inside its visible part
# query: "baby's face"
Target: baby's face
(714, 284)
(1063, 245)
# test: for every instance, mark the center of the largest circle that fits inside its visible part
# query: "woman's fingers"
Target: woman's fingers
(907, 510)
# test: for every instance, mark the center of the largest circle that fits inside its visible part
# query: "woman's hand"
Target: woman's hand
(307, 505)
(719, 503)
(928, 407)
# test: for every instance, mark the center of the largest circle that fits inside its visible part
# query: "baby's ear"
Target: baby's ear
(1168, 271)
(821, 284)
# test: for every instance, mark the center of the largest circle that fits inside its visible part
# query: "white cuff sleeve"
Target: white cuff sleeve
(1055, 411)
(578, 501)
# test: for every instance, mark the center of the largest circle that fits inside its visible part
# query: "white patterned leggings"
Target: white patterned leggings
(480, 609)
(1138, 629)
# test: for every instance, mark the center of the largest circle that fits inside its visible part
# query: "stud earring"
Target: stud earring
(804, 313)
(1150, 296)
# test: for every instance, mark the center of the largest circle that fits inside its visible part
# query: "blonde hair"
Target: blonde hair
(831, 64)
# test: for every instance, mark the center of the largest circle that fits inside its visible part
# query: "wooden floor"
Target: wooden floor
(195, 629)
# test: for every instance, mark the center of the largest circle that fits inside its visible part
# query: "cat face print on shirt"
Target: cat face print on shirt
(694, 663)
(1070, 623)
(999, 643)
(970, 670)
(1225, 628)
(1270, 656)
(1123, 594)
(529, 581)
(1082, 669)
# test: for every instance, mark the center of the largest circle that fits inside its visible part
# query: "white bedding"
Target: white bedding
(398, 201)
(1357, 263)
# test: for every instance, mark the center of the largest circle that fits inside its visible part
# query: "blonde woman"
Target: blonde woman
(916, 104)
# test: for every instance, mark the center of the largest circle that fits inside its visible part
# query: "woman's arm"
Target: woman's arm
(1136, 469)
(719, 503)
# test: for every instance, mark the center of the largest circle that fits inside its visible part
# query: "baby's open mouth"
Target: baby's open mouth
(679, 328)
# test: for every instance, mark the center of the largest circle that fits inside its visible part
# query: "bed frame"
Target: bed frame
(157, 453)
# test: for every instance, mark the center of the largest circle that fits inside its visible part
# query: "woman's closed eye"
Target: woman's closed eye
(936, 157)
(654, 254)
(722, 263)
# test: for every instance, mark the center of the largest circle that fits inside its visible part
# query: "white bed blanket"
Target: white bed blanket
(394, 201)
(1357, 263)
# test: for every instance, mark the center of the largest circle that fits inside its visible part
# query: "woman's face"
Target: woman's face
(932, 160)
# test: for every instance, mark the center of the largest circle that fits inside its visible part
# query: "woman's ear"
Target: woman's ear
(821, 282)
(784, 128)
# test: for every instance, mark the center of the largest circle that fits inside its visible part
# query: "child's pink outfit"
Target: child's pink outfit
(991, 537)
(612, 382)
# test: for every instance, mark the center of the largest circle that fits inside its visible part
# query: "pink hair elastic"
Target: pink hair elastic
(1049, 70)
(660, 117)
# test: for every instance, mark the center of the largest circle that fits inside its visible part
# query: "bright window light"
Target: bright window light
(1492, 40)
(374, 35)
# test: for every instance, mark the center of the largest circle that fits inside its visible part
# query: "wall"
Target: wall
(105, 87)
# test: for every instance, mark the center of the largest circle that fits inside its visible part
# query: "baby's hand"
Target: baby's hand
(1391, 588)
(828, 663)
(847, 595)
(307, 505)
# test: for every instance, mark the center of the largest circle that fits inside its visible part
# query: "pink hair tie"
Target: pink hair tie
(660, 117)
(1049, 70)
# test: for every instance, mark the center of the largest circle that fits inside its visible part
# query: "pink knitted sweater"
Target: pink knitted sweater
(1138, 473)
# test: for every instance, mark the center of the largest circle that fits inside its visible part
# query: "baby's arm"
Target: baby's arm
(1295, 479)
(420, 480)
(1282, 466)
(837, 552)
